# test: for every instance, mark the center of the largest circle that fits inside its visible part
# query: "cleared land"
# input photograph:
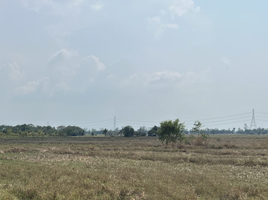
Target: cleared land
(229, 167)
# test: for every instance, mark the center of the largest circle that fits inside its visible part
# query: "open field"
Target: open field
(229, 167)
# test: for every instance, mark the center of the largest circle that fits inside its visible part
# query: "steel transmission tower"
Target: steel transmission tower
(253, 122)
(114, 123)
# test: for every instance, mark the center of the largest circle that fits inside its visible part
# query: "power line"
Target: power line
(230, 119)
(95, 122)
(125, 120)
(137, 122)
(226, 123)
(263, 113)
(114, 123)
(264, 117)
(208, 119)
(247, 117)
(220, 117)
(263, 120)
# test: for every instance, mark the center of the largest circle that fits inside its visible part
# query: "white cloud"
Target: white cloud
(97, 6)
(63, 8)
(175, 26)
(68, 16)
(177, 8)
(162, 12)
(11, 77)
(66, 71)
(62, 55)
(35, 5)
(164, 78)
(15, 81)
(30, 87)
(159, 27)
(87, 72)
(182, 7)
(70, 72)
(154, 20)
(100, 66)
(12, 71)
(226, 61)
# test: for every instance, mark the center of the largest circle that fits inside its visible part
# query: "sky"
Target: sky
(84, 62)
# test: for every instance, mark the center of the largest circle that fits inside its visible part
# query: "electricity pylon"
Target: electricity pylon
(253, 122)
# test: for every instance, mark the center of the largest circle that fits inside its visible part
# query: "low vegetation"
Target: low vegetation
(225, 167)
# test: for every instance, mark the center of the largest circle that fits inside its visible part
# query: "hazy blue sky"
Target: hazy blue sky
(82, 62)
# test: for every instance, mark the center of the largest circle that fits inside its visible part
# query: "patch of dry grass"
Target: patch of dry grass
(228, 167)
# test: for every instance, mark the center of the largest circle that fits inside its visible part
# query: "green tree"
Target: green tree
(127, 131)
(153, 131)
(105, 132)
(73, 131)
(141, 131)
(198, 129)
(114, 132)
(9, 131)
(171, 131)
(60, 131)
(93, 132)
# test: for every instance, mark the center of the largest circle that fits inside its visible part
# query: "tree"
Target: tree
(86, 131)
(73, 131)
(114, 132)
(105, 132)
(171, 131)
(245, 127)
(141, 131)
(9, 131)
(93, 132)
(153, 131)
(127, 131)
(60, 130)
(197, 129)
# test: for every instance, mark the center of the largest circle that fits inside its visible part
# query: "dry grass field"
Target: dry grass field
(228, 167)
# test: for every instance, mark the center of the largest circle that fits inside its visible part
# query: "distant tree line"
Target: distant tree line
(30, 130)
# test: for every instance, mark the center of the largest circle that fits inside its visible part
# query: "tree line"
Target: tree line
(30, 130)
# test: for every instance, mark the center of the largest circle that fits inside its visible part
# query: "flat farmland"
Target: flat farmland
(227, 167)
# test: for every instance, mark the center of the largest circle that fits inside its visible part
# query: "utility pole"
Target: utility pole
(253, 122)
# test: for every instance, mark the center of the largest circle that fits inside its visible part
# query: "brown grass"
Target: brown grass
(228, 167)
